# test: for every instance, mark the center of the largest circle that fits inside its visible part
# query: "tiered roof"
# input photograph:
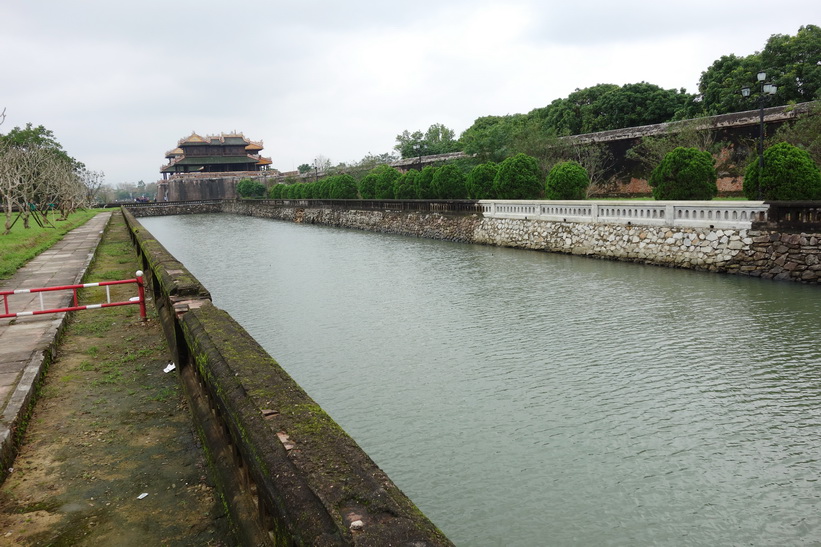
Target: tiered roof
(179, 162)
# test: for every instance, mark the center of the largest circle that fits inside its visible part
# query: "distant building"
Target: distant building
(227, 152)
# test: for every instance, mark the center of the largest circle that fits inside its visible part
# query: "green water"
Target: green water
(523, 398)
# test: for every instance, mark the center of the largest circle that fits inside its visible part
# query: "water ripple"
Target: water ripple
(523, 398)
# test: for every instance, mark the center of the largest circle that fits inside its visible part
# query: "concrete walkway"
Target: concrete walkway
(27, 342)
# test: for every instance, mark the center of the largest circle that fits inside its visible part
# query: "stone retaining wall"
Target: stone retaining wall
(766, 254)
(760, 253)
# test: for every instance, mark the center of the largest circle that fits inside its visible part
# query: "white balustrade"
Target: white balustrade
(683, 214)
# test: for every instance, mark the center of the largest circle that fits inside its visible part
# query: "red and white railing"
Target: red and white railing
(139, 299)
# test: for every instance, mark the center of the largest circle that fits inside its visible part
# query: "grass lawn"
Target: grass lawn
(22, 244)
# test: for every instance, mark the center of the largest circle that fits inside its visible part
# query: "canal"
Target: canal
(524, 398)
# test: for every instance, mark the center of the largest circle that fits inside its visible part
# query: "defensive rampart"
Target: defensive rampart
(286, 472)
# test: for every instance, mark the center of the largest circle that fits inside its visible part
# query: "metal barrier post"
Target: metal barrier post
(141, 293)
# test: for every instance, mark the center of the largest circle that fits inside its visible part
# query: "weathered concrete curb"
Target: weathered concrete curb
(310, 483)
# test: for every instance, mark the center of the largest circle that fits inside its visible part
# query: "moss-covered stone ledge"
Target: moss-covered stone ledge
(308, 481)
(314, 484)
(171, 277)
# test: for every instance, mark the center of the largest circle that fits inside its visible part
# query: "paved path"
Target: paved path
(25, 342)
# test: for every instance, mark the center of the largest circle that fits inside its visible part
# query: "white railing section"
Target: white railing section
(683, 214)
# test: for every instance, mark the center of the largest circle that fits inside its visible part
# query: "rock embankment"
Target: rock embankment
(758, 253)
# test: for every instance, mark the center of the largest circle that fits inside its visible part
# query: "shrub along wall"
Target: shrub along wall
(287, 473)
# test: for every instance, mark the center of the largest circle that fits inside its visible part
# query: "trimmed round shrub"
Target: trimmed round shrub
(519, 177)
(567, 180)
(404, 187)
(341, 187)
(685, 173)
(378, 183)
(276, 191)
(449, 183)
(322, 187)
(367, 186)
(251, 189)
(479, 181)
(789, 175)
(385, 178)
(423, 183)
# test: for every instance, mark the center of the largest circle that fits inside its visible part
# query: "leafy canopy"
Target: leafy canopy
(438, 139)
(567, 180)
(251, 189)
(518, 177)
(685, 174)
(479, 181)
(789, 174)
(449, 183)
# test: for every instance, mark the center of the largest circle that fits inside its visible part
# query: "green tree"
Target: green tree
(651, 150)
(250, 189)
(305, 168)
(449, 183)
(805, 133)
(438, 139)
(383, 178)
(404, 187)
(409, 145)
(793, 63)
(342, 187)
(276, 191)
(519, 177)
(423, 183)
(294, 191)
(720, 85)
(30, 137)
(633, 105)
(492, 138)
(578, 113)
(479, 181)
(367, 186)
(685, 174)
(789, 174)
(567, 180)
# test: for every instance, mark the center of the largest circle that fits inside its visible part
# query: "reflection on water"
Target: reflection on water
(524, 398)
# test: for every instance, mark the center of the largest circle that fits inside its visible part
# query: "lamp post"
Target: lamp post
(766, 89)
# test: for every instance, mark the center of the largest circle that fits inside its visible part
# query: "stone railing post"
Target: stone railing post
(669, 214)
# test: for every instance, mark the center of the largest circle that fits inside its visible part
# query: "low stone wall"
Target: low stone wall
(286, 472)
(452, 227)
(179, 208)
(749, 252)
(766, 254)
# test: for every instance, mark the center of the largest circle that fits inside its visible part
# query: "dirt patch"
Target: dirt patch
(109, 426)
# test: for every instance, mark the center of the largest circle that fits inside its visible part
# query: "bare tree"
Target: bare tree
(12, 175)
(93, 182)
(34, 180)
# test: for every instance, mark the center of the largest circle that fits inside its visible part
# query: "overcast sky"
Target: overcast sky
(119, 83)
